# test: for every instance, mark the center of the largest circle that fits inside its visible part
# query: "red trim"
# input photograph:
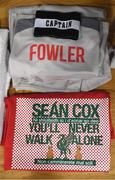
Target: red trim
(11, 105)
(5, 123)
(92, 94)
(11, 113)
(112, 131)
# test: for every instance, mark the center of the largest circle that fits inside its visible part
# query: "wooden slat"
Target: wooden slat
(81, 2)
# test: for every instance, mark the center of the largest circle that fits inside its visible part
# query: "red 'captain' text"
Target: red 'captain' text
(67, 54)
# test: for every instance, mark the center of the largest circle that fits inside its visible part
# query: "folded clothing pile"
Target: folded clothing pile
(58, 48)
(58, 132)
(63, 49)
(4, 83)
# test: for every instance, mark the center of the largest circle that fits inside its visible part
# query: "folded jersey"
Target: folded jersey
(4, 80)
(51, 64)
(29, 12)
(58, 132)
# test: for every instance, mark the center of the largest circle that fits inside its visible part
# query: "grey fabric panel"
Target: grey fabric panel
(23, 24)
(90, 23)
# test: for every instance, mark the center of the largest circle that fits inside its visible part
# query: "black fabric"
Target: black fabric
(66, 33)
(64, 16)
(58, 33)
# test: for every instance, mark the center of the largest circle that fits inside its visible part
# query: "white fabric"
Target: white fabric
(29, 12)
(42, 23)
(47, 76)
(4, 80)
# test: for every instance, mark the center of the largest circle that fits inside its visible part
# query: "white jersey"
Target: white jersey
(4, 80)
(55, 64)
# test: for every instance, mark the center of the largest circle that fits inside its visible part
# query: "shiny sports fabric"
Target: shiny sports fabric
(58, 132)
(4, 80)
(50, 64)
